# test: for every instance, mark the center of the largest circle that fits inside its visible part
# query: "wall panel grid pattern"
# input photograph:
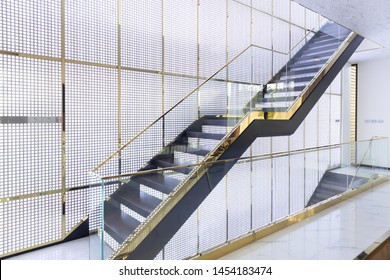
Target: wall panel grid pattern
(95, 73)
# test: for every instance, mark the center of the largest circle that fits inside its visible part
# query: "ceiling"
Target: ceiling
(371, 19)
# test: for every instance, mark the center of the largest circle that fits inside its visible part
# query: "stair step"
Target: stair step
(337, 178)
(220, 121)
(197, 134)
(117, 223)
(172, 162)
(335, 32)
(283, 76)
(279, 109)
(320, 196)
(189, 150)
(289, 88)
(307, 64)
(206, 128)
(273, 105)
(329, 190)
(288, 79)
(136, 200)
(312, 60)
(325, 40)
(320, 49)
(158, 182)
(277, 99)
(297, 71)
(337, 187)
(323, 36)
(282, 94)
(318, 55)
(330, 44)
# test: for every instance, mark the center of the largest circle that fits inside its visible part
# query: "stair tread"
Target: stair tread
(311, 60)
(136, 200)
(281, 94)
(275, 109)
(327, 37)
(310, 64)
(117, 223)
(297, 71)
(320, 49)
(277, 99)
(167, 162)
(159, 182)
(291, 89)
(220, 121)
(337, 186)
(318, 55)
(190, 150)
(198, 134)
(287, 79)
(326, 189)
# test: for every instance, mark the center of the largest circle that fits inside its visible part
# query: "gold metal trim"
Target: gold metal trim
(35, 56)
(30, 195)
(63, 113)
(240, 159)
(247, 239)
(119, 82)
(378, 250)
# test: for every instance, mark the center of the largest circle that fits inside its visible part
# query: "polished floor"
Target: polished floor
(79, 249)
(340, 232)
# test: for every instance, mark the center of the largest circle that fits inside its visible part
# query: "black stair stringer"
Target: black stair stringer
(160, 235)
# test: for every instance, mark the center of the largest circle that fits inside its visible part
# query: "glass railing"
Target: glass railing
(242, 86)
(298, 70)
(271, 188)
(371, 161)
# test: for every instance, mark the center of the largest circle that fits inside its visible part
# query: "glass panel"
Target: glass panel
(372, 157)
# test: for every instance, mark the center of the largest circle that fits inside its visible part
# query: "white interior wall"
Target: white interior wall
(373, 99)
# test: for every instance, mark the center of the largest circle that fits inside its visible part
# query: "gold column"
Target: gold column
(63, 134)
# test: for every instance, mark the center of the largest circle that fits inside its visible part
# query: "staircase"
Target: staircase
(159, 203)
(332, 184)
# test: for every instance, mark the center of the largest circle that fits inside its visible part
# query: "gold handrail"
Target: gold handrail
(93, 172)
(253, 157)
